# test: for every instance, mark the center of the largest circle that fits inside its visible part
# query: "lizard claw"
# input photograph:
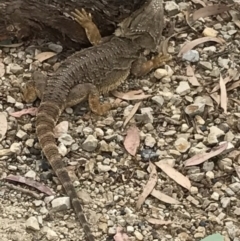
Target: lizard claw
(116, 103)
(85, 20)
(82, 17)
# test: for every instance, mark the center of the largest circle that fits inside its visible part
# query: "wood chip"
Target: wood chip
(3, 125)
(223, 96)
(44, 56)
(132, 113)
(191, 76)
(158, 221)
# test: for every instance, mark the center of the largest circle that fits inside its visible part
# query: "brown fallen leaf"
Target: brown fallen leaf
(120, 235)
(234, 85)
(202, 157)
(233, 74)
(32, 111)
(163, 197)
(174, 174)
(223, 95)
(190, 45)
(217, 86)
(132, 140)
(235, 100)
(237, 169)
(209, 11)
(158, 221)
(31, 183)
(44, 56)
(11, 45)
(235, 17)
(60, 129)
(216, 97)
(132, 113)
(199, 2)
(149, 186)
(191, 76)
(3, 125)
(131, 95)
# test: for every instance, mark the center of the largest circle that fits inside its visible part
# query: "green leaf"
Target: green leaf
(214, 237)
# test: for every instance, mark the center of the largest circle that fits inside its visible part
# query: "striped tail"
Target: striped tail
(47, 117)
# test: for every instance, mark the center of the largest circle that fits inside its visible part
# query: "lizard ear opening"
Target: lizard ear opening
(145, 25)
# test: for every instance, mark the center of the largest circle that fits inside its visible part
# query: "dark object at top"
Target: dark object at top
(50, 19)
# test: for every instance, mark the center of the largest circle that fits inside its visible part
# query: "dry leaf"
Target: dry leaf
(32, 111)
(131, 95)
(202, 157)
(158, 221)
(235, 17)
(163, 197)
(11, 45)
(44, 56)
(132, 140)
(234, 85)
(217, 87)
(60, 129)
(191, 76)
(132, 113)
(199, 2)
(31, 183)
(223, 96)
(237, 169)
(120, 236)
(174, 174)
(190, 45)
(216, 97)
(209, 11)
(149, 186)
(235, 100)
(3, 125)
(232, 75)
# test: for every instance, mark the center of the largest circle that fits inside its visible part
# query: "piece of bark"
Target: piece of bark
(50, 18)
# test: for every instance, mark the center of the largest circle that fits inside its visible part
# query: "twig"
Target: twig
(23, 190)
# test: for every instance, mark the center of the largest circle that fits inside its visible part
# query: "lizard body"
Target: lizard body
(94, 71)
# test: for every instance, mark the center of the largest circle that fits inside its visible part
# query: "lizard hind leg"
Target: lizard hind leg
(91, 30)
(95, 105)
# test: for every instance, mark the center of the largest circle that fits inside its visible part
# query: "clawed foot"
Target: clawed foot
(29, 92)
(82, 17)
(160, 60)
(85, 20)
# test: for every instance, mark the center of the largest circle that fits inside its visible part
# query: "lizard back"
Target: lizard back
(104, 66)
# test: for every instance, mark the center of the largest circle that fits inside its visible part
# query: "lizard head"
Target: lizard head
(145, 25)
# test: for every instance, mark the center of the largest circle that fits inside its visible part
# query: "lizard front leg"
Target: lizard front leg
(88, 91)
(91, 30)
(142, 67)
(34, 88)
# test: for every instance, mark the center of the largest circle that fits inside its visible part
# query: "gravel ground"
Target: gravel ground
(177, 122)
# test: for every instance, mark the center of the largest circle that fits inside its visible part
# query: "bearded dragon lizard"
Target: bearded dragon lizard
(94, 71)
